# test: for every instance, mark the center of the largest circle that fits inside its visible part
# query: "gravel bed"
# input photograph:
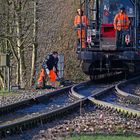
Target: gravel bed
(87, 122)
(20, 96)
(94, 122)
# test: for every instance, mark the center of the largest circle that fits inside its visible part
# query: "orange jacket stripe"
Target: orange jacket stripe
(52, 76)
(42, 75)
(77, 20)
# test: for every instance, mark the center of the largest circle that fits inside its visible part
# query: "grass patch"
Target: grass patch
(6, 93)
(103, 138)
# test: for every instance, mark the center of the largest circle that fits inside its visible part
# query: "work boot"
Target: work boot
(39, 85)
(53, 88)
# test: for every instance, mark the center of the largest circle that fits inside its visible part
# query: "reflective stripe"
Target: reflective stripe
(122, 21)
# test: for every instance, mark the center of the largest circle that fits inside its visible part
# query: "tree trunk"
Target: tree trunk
(34, 49)
(1, 80)
(21, 63)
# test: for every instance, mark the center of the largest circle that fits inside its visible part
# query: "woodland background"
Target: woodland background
(30, 29)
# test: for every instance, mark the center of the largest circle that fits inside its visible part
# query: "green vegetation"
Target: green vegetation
(6, 93)
(103, 138)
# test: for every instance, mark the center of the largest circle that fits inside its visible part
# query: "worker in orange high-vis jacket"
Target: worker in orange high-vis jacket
(80, 23)
(49, 69)
(121, 24)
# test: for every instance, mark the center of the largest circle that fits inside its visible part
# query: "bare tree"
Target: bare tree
(34, 49)
(20, 34)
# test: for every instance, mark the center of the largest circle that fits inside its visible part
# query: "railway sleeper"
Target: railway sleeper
(129, 98)
(133, 99)
(117, 110)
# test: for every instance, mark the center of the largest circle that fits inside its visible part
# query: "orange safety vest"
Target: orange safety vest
(81, 34)
(77, 20)
(121, 21)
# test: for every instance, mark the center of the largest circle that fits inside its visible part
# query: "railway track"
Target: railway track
(28, 113)
(31, 112)
(129, 90)
(108, 99)
(34, 112)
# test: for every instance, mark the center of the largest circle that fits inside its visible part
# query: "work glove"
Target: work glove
(47, 71)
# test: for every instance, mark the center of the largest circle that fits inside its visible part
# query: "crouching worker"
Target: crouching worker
(49, 70)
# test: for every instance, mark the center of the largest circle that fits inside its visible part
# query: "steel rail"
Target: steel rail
(118, 108)
(107, 105)
(78, 96)
(110, 106)
(22, 104)
(25, 123)
(38, 119)
(75, 93)
(45, 117)
(126, 95)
